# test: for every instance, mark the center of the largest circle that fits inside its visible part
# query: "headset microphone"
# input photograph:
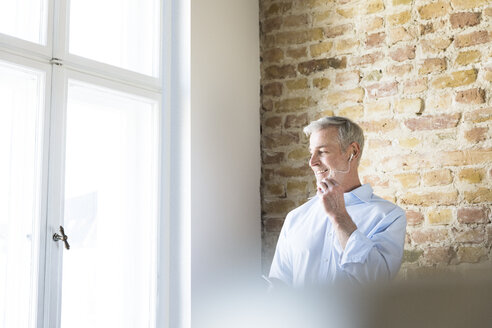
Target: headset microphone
(340, 171)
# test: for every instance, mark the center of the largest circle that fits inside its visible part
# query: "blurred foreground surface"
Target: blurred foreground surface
(442, 301)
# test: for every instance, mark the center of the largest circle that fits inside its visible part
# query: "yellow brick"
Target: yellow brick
(439, 101)
(296, 187)
(374, 6)
(415, 86)
(297, 53)
(380, 126)
(315, 34)
(292, 104)
(375, 75)
(444, 216)
(468, 4)
(488, 75)
(411, 255)
(468, 57)
(471, 175)
(411, 105)
(354, 95)
(455, 79)
(299, 154)
(409, 142)
(298, 37)
(373, 23)
(399, 18)
(290, 172)
(429, 199)
(273, 55)
(471, 254)
(377, 143)
(322, 16)
(320, 48)
(347, 12)
(324, 113)
(437, 177)
(297, 84)
(480, 195)
(434, 10)
(399, 33)
(275, 189)
(435, 45)
(282, 206)
(278, 8)
(352, 112)
(401, 2)
(364, 165)
(463, 157)
(295, 20)
(346, 46)
(385, 194)
(408, 180)
(378, 107)
(479, 115)
(432, 65)
(316, 3)
(321, 83)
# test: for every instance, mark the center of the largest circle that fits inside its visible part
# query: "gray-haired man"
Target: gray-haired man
(345, 232)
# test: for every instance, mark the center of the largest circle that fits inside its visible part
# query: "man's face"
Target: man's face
(326, 155)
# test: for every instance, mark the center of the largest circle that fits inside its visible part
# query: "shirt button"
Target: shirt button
(326, 260)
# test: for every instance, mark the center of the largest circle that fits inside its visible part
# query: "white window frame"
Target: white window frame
(41, 57)
(45, 125)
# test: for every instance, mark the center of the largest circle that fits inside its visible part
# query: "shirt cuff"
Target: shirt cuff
(357, 249)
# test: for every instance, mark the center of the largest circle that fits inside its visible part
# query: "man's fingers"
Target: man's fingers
(329, 183)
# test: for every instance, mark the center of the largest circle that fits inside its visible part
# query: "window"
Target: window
(81, 126)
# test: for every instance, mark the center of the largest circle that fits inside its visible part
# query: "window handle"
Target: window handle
(62, 237)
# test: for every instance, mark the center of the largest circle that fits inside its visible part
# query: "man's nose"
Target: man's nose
(313, 160)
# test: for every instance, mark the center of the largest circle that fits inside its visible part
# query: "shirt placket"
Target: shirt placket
(326, 253)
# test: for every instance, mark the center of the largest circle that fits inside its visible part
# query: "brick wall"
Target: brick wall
(417, 76)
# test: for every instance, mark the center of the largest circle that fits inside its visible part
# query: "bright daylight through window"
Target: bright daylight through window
(80, 138)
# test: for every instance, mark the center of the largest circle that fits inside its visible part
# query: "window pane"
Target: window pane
(109, 273)
(24, 19)
(123, 33)
(21, 108)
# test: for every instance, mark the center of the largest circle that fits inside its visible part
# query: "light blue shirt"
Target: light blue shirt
(308, 251)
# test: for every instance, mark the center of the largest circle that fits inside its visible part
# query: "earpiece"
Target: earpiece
(351, 156)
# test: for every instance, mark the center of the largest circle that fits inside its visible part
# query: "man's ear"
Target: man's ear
(355, 149)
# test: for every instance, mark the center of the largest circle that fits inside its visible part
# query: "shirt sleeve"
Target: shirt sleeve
(377, 256)
(282, 265)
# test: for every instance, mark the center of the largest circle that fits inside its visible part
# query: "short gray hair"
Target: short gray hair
(348, 131)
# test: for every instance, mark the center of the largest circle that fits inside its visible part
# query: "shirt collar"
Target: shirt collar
(363, 193)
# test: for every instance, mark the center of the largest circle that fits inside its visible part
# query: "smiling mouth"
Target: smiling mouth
(320, 172)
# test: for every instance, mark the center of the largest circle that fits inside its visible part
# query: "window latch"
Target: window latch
(63, 237)
(56, 61)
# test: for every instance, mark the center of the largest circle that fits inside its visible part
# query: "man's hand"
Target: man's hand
(331, 195)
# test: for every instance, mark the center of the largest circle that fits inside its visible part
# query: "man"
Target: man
(345, 232)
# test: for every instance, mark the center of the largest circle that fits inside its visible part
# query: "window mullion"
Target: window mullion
(54, 251)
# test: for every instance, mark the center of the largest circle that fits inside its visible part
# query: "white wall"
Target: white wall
(225, 139)
(215, 153)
